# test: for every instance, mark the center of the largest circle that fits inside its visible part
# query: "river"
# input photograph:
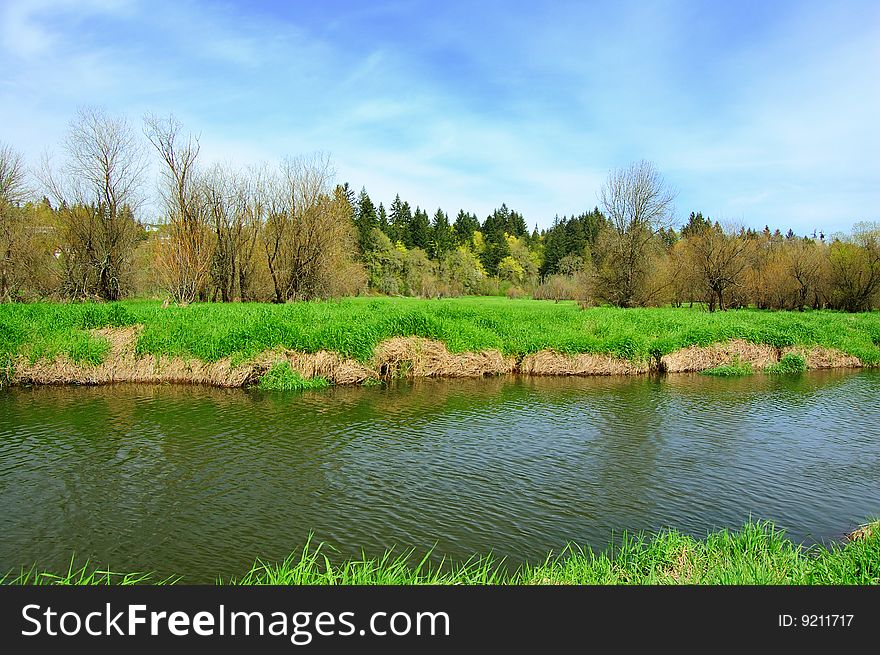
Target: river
(201, 481)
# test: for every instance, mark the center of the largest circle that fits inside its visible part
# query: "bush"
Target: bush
(566, 287)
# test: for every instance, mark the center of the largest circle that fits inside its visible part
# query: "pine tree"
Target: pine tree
(516, 225)
(348, 193)
(365, 218)
(497, 247)
(442, 239)
(695, 225)
(464, 227)
(420, 230)
(383, 219)
(555, 246)
(401, 217)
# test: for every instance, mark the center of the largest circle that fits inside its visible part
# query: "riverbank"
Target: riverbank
(756, 554)
(363, 340)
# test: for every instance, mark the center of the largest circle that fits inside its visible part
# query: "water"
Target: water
(200, 482)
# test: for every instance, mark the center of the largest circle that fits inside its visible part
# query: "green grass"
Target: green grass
(730, 371)
(82, 576)
(756, 554)
(790, 363)
(280, 377)
(354, 326)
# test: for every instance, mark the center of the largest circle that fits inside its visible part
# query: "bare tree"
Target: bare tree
(254, 217)
(97, 190)
(275, 209)
(13, 231)
(807, 264)
(13, 176)
(719, 262)
(297, 234)
(185, 250)
(855, 273)
(637, 204)
(308, 235)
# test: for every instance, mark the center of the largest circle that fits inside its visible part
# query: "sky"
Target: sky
(755, 112)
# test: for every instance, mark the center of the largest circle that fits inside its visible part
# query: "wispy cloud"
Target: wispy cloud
(760, 112)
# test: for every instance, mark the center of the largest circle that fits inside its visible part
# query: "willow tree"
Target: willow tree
(309, 235)
(855, 270)
(808, 270)
(184, 249)
(13, 234)
(637, 204)
(719, 262)
(233, 214)
(97, 190)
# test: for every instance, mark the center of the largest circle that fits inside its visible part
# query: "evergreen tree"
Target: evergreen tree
(669, 237)
(464, 227)
(593, 221)
(695, 225)
(516, 225)
(419, 230)
(497, 248)
(555, 247)
(383, 219)
(401, 217)
(348, 193)
(365, 219)
(570, 236)
(442, 239)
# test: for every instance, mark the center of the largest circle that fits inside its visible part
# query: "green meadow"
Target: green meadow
(354, 326)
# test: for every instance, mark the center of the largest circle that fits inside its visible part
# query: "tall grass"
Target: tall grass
(789, 364)
(82, 575)
(281, 377)
(354, 326)
(730, 370)
(757, 554)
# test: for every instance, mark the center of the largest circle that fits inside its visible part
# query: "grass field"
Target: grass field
(354, 326)
(755, 554)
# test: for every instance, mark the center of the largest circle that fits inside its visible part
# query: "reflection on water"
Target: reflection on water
(201, 481)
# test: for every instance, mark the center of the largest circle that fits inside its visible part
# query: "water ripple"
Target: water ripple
(201, 481)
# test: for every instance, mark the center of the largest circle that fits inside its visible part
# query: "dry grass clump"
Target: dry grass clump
(549, 362)
(322, 364)
(864, 532)
(419, 357)
(737, 351)
(397, 357)
(818, 357)
(122, 364)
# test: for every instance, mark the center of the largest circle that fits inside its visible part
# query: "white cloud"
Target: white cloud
(779, 129)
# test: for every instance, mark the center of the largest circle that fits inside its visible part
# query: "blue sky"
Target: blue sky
(756, 112)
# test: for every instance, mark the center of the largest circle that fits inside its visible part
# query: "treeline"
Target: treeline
(290, 233)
